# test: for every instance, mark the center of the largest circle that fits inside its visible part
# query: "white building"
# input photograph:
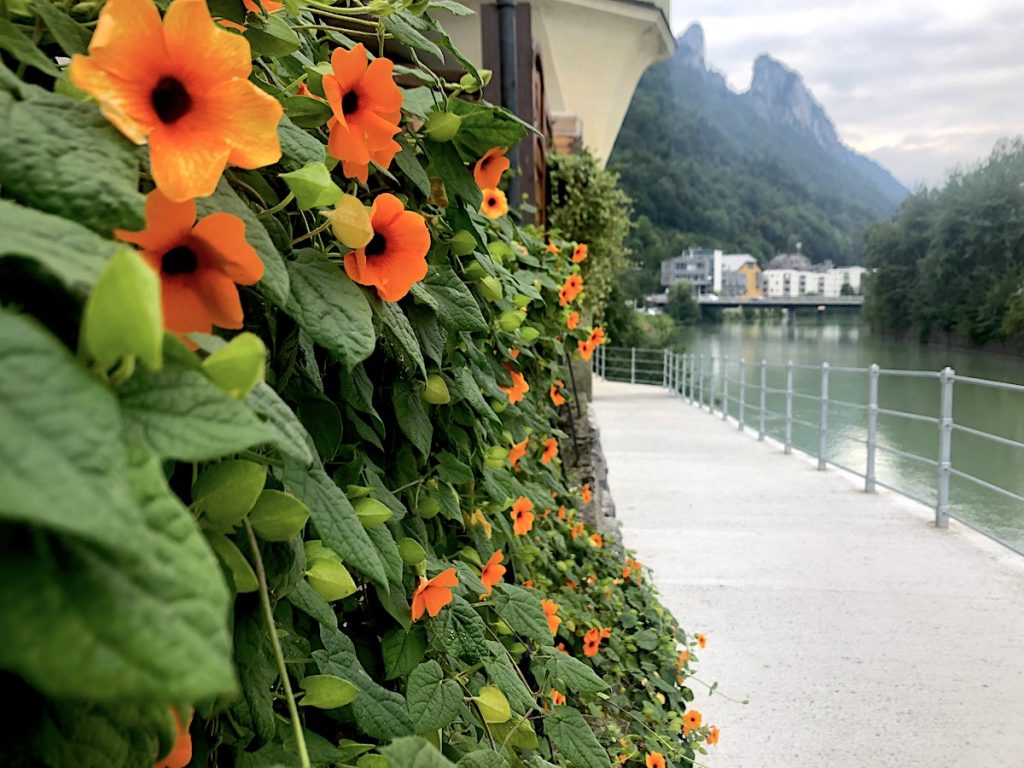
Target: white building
(789, 283)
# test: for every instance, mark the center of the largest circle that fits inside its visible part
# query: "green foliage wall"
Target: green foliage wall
(215, 547)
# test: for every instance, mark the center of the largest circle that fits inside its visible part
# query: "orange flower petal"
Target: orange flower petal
(380, 87)
(204, 54)
(221, 237)
(128, 39)
(184, 310)
(446, 578)
(125, 103)
(247, 118)
(436, 599)
(186, 163)
(167, 223)
(349, 68)
(220, 295)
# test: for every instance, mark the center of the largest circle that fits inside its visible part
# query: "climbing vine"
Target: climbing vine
(281, 395)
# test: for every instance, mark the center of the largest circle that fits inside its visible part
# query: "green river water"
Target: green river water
(848, 343)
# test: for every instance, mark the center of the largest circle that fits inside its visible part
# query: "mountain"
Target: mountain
(755, 172)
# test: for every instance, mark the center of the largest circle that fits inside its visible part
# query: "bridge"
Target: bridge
(781, 302)
(863, 632)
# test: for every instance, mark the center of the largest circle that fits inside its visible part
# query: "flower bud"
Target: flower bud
(490, 288)
(510, 321)
(436, 391)
(330, 579)
(462, 243)
(442, 126)
(372, 512)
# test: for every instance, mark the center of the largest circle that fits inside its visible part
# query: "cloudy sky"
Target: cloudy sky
(919, 85)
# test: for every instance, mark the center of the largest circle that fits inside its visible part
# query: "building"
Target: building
(821, 280)
(741, 276)
(702, 268)
(576, 65)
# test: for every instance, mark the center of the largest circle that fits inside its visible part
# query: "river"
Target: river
(846, 342)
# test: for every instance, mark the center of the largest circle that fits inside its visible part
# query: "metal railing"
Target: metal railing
(736, 389)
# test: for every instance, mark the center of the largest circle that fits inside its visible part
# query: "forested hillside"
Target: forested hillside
(756, 172)
(952, 261)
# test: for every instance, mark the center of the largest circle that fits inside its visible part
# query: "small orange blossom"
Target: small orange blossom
(433, 594)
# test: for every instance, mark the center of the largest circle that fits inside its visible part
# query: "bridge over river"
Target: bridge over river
(862, 635)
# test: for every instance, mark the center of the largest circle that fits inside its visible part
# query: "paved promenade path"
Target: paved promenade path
(862, 636)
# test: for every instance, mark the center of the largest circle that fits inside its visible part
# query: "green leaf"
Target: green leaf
(412, 417)
(522, 611)
(327, 692)
(465, 387)
(257, 671)
(183, 415)
(410, 165)
(433, 701)
(461, 632)
(402, 651)
(446, 163)
(225, 492)
(401, 25)
(271, 36)
(647, 639)
(451, 470)
(70, 251)
(287, 433)
(71, 36)
(307, 600)
(331, 308)
(275, 277)
(386, 547)
(297, 146)
(503, 673)
(483, 759)
(305, 112)
(242, 574)
(380, 713)
(576, 675)
(122, 316)
(21, 47)
(61, 156)
(448, 296)
(94, 622)
(334, 519)
(415, 752)
(400, 336)
(575, 741)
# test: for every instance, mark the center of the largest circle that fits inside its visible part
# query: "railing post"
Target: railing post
(763, 397)
(947, 377)
(604, 362)
(700, 384)
(632, 365)
(789, 407)
(869, 471)
(743, 391)
(823, 420)
(688, 377)
(725, 387)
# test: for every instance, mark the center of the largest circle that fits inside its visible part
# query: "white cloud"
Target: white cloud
(920, 85)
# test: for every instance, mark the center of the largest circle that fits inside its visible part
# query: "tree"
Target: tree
(682, 304)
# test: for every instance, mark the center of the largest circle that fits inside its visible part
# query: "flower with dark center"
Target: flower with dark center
(199, 263)
(490, 167)
(181, 84)
(396, 256)
(494, 204)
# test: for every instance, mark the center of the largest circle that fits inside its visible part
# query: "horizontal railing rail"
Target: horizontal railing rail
(737, 389)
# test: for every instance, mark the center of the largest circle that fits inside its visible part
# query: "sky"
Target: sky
(921, 86)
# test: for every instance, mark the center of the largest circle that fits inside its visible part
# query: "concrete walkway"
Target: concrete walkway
(862, 636)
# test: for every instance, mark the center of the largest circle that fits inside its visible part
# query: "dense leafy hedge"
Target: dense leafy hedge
(337, 531)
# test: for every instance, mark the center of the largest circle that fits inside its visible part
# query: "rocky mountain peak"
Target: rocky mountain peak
(778, 95)
(691, 47)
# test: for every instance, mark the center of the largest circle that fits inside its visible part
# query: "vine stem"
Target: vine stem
(279, 207)
(268, 617)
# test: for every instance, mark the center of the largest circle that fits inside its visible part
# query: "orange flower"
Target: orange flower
(557, 698)
(586, 349)
(270, 6)
(489, 168)
(597, 540)
(433, 594)
(684, 656)
(578, 530)
(655, 760)
(550, 450)
(585, 494)
(198, 263)
(517, 451)
(492, 572)
(572, 321)
(596, 337)
(182, 84)
(396, 256)
(366, 106)
(303, 90)
(556, 396)
(522, 516)
(701, 640)
(528, 583)
(592, 642)
(626, 571)
(519, 386)
(691, 721)
(606, 632)
(551, 612)
(570, 584)
(494, 204)
(561, 647)
(570, 290)
(552, 248)
(477, 518)
(712, 737)
(579, 253)
(181, 754)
